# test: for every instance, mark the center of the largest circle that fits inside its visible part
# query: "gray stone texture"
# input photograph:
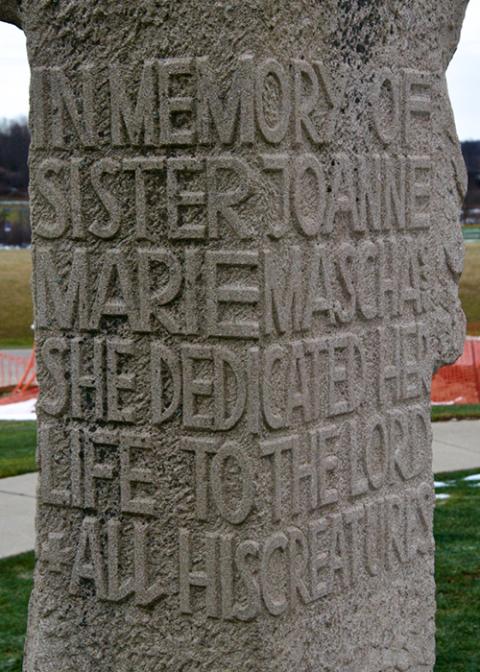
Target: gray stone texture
(246, 257)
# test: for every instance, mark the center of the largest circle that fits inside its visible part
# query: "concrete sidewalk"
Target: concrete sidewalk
(17, 514)
(456, 445)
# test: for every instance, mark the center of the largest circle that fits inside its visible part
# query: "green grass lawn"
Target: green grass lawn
(15, 586)
(16, 299)
(457, 534)
(461, 412)
(17, 448)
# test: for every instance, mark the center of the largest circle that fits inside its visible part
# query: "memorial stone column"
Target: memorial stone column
(246, 256)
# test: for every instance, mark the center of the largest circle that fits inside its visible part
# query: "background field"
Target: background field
(470, 288)
(15, 298)
(14, 223)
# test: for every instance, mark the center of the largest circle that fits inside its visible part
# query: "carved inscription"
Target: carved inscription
(243, 310)
(215, 388)
(331, 554)
(75, 474)
(375, 194)
(300, 288)
(145, 105)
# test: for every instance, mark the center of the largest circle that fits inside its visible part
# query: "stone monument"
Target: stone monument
(246, 256)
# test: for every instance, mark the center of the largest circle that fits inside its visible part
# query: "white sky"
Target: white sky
(463, 75)
(14, 72)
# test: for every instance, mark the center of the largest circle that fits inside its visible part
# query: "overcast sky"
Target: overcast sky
(463, 75)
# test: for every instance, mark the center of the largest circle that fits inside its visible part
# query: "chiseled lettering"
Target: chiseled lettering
(63, 99)
(283, 298)
(84, 381)
(88, 564)
(309, 195)
(231, 293)
(212, 460)
(236, 112)
(54, 398)
(171, 105)
(115, 291)
(128, 120)
(270, 74)
(166, 380)
(99, 171)
(57, 298)
(221, 202)
(46, 179)
(205, 578)
(51, 490)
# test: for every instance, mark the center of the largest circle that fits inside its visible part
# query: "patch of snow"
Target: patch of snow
(473, 477)
(457, 400)
(441, 484)
(22, 410)
(442, 496)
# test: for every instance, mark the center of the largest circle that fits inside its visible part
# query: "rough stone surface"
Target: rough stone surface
(246, 256)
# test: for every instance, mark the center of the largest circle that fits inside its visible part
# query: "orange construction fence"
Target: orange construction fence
(459, 383)
(21, 375)
(11, 369)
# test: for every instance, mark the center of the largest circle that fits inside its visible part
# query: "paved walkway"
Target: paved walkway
(17, 514)
(456, 445)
